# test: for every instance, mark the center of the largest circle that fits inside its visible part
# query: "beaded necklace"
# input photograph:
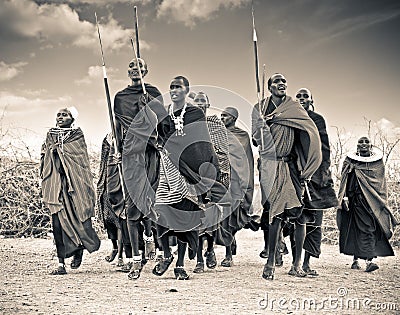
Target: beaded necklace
(178, 120)
(62, 134)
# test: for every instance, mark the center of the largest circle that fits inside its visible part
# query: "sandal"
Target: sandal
(162, 266)
(126, 267)
(211, 260)
(297, 272)
(180, 274)
(199, 267)
(77, 259)
(268, 272)
(120, 262)
(227, 262)
(371, 267)
(149, 248)
(109, 258)
(355, 265)
(283, 248)
(310, 272)
(234, 247)
(137, 267)
(59, 271)
(264, 253)
(278, 259)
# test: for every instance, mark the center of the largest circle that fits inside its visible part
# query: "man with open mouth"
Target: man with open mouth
(290, 153)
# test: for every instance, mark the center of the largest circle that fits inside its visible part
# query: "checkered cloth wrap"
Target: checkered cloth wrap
(219, 139)
(278, 190)
(285, 121)
(105, 213)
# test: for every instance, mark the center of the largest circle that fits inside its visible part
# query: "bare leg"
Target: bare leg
(165, 246)
(273, 236)
(149, 244)
(181, 254)
(120, 246)
(306, 265)
(228, 260)
(147, 227)
(306, 262)
(278, 258)
(179, 271)
(228, 252)
(133, 229)
(299, 237)
(200, 260)
(266, 242)
(210, 242)
(211, 260)
(200, 250)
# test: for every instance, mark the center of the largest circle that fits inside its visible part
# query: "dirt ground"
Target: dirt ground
(98, 288)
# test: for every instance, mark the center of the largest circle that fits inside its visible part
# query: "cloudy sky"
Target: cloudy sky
(345, 52)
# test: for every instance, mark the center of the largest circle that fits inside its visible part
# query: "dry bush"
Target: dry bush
(22, 213)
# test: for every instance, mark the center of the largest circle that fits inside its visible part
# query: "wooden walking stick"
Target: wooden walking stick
(109, 106)
(257, 71)
(136, 31)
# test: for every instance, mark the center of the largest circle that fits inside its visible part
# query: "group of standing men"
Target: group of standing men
(174, 176)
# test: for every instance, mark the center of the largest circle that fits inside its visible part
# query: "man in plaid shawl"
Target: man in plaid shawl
(290, 153)
(105, 213)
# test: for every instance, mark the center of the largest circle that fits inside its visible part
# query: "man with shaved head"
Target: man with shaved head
(241, 179)
(322, 195)
(139, 164)
(213, 231)
(290, 153)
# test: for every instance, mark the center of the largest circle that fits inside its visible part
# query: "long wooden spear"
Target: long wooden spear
(136, 31)
(263, 99)
(110, 110)
(257, 72)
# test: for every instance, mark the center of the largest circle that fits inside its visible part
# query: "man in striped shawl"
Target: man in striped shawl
(188, 179)
(68, 192)
(290, 153)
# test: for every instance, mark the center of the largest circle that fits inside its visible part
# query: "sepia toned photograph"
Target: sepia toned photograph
(199, 157)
